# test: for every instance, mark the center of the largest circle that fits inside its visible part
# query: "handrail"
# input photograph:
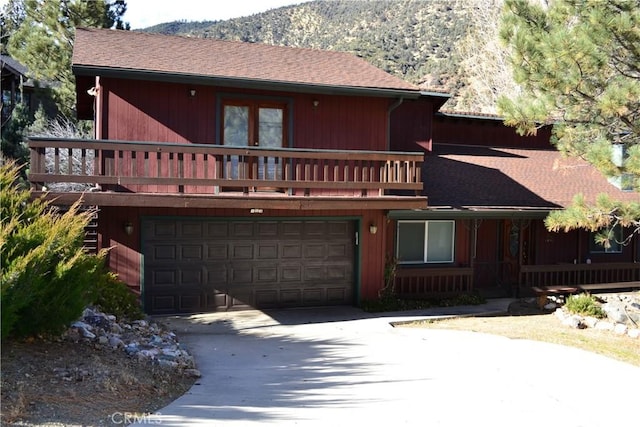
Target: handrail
(131, 164)
(579, 274)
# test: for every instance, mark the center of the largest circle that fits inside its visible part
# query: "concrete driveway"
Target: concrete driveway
(342, 367)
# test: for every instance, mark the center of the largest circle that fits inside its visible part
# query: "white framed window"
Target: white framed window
(425, 242)
(615, 242)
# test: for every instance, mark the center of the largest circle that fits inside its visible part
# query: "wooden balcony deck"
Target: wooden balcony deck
(198, 170)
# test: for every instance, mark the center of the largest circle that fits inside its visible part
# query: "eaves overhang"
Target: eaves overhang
(222, 81)
(452, 213)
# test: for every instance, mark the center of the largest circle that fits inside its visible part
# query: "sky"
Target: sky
(145, 13)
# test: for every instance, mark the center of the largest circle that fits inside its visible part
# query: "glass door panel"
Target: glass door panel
(270, 135)
(235, 134)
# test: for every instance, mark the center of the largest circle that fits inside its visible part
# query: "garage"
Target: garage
(200, 265)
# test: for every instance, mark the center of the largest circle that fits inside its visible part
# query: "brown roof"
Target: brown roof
(462, 176)
(116, 50)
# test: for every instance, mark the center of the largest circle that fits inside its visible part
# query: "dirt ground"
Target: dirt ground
(66, 383)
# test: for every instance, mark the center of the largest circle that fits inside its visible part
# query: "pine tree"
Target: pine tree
(43, 41)
(578, 64)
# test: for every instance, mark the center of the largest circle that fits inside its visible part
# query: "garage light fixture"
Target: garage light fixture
(373, 229)
(128, 228)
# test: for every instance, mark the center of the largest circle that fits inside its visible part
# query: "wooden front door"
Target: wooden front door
(515, 251)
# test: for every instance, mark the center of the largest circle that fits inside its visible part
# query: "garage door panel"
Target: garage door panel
(313, 296)
(216, 230)
(266, 274)
(267, 229)
(217, 251)
(215, 301)
(195, 265)
(189, 303)
(290, 250)
(313, 273)
(338, 250)
(191, 278)
(164, 278)
(164, 229)
(336, 294)
(291, 273)
(291, 229)
(338, 229)
(164, 304)
(315, 229)
(191, 252)
(314, 250)
(242, 251)
(267, 298)
(267, 250)
(241, 275)
(242, 229)
(339, 272)
(291, 297)
(164, 253)
(217, 274)
(191, 229)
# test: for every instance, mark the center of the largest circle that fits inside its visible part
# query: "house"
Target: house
(18, 87)
(231, 175)
(489, 190)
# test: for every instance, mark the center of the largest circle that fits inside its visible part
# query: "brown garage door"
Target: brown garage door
(195, 265)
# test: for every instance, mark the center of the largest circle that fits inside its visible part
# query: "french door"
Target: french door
(255, 124)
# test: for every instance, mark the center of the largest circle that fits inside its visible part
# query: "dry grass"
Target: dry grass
(545, 328)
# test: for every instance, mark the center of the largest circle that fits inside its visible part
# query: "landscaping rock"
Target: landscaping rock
(620, 329)
(144, 341)
(633, 333)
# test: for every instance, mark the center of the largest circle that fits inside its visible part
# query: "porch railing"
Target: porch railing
(201, 167)
(425, 282)
(579, 274)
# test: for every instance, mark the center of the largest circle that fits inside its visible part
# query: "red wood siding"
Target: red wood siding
(485, 132)
(411, 123)
(125, 257)
(165, 112)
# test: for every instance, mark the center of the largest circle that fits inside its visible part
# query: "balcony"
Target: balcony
(198, 175)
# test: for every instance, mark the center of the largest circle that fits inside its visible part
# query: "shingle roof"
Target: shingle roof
(116, 50)
(483, 177)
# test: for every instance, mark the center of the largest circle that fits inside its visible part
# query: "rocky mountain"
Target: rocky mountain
(425, 42)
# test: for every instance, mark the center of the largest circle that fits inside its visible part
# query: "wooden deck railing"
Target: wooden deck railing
(579, 274)
(201, 167)
(425, 282)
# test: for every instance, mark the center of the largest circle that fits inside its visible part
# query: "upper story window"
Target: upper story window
(425, 242)
(615, 242)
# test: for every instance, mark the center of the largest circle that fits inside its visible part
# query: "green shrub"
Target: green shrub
(585, 305)
(46, 277)
(113, 296)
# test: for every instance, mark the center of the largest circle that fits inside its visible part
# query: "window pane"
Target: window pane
(236, 126)
(440, 241)
(270, 136)
(270, 127)
(615, 239)
(410, 241)
(236, 133)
